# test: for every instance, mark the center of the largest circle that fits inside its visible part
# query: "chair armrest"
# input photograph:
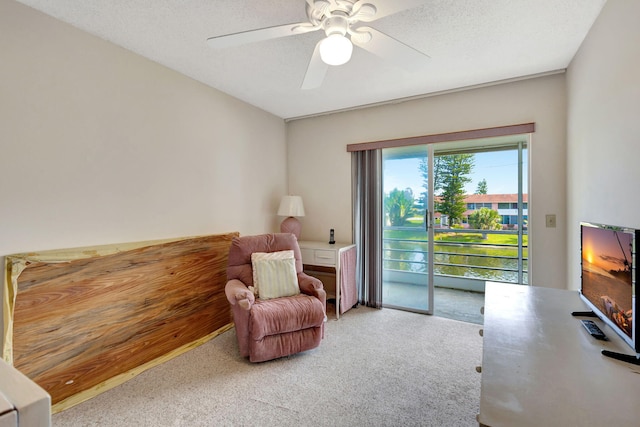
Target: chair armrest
(312, 286)
(238, 293)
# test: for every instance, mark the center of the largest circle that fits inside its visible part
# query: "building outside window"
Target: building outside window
(505, 204)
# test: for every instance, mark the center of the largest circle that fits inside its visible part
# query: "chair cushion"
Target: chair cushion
(281, 315)
(239, 266)
(274, 274)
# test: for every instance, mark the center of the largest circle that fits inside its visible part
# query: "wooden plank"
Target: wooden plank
(121, 378)
(76, 324)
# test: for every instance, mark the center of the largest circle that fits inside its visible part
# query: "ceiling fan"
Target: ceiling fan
(341, 22)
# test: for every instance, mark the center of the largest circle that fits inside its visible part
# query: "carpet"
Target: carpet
(373, 368)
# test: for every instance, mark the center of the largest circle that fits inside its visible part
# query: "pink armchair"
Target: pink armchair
(268, 329)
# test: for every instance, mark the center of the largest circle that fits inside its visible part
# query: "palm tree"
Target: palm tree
(399, 206)
(485, 219)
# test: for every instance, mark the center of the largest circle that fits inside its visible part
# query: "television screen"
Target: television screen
(608, 276)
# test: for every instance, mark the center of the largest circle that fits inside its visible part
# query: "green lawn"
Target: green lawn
(420, 234)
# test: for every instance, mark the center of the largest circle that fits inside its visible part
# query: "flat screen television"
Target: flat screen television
(608, 278)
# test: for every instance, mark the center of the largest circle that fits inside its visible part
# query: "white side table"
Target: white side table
(330, 258)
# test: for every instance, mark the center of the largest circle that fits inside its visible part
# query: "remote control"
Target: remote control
(593, 329)
(584, 313)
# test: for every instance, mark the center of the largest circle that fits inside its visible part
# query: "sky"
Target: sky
(601, 248)
(499, 168)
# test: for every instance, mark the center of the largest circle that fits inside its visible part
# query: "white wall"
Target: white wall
(320, 167)
(603, 130)
(99, 145)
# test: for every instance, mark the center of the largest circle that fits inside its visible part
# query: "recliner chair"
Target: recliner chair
(271, 328)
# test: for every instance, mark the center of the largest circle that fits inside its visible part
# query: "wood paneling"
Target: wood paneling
(81, 322)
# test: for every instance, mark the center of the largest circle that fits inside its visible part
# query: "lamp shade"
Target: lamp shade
(291, 206)
(336, 49)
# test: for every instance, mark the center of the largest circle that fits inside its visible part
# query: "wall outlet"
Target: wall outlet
(551, 221)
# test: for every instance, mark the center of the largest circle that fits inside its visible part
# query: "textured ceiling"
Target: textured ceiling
(470, 42)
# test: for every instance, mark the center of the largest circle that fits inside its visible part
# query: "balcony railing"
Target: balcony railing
(461, 256)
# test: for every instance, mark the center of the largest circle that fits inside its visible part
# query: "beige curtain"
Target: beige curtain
(367, 221)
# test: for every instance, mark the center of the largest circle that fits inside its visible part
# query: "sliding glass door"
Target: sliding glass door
(454, 216)
(407, 232)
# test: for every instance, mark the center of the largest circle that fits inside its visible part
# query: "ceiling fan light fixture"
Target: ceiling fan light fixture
(336, 49)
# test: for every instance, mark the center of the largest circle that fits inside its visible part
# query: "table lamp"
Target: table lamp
(291, 207)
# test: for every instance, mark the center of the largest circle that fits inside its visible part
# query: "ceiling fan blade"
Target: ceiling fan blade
(237, 39)
(317, 9)
(363, 11)
(383, 8)
(388, 48)
(316, 70)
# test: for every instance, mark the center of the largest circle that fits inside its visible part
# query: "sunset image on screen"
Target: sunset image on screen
(607, 252)
(606, 273)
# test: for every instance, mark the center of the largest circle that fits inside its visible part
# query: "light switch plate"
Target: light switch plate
(551, 221)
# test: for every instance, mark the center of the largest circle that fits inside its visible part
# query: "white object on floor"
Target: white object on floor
(23, 403)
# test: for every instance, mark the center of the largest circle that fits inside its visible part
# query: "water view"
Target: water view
(456, 254)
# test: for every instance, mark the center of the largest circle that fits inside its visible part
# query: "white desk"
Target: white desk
(540, 367)
(332, 257)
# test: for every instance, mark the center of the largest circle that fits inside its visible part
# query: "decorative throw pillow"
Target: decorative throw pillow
(274, 274)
